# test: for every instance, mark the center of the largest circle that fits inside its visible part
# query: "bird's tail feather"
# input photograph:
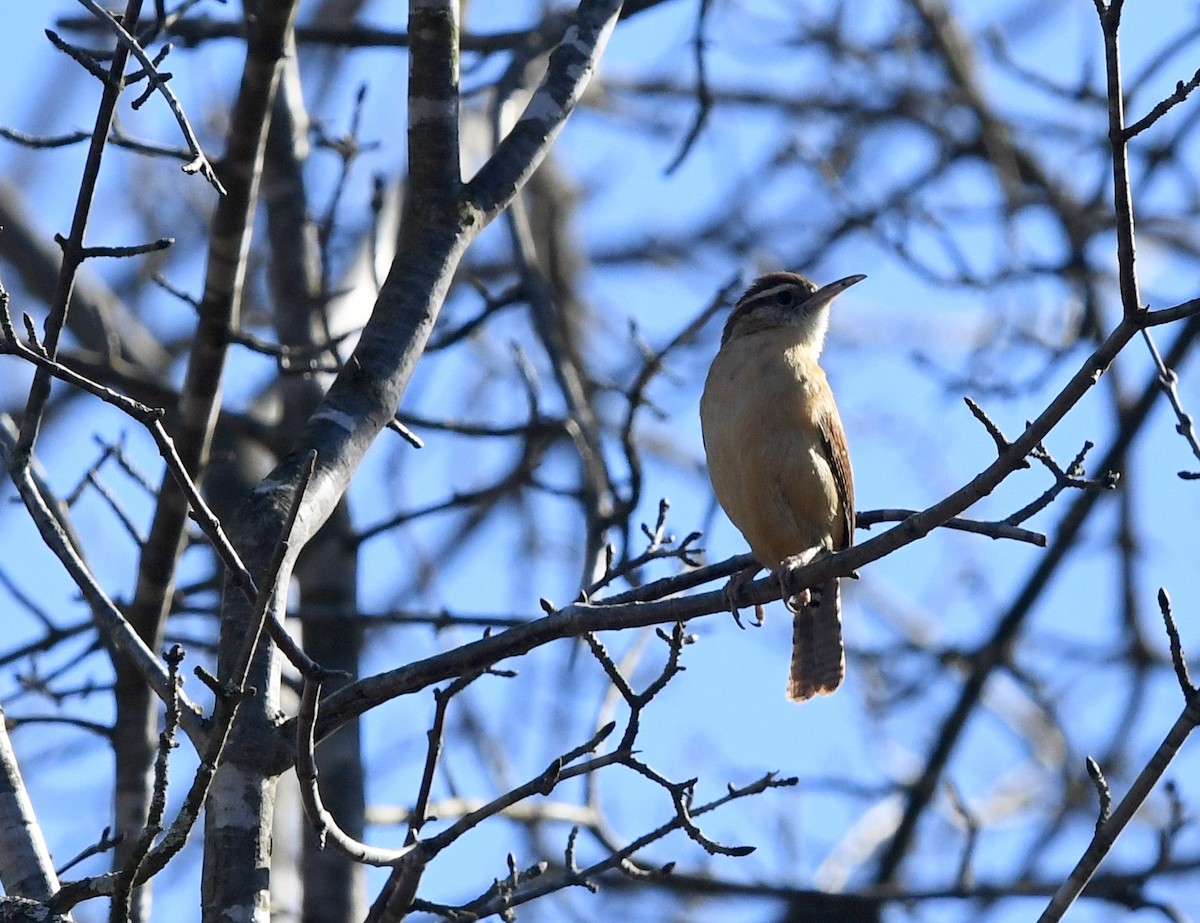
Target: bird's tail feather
(818, 658)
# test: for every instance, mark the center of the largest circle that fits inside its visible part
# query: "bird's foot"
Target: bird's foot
(795, 602)
(734, 586)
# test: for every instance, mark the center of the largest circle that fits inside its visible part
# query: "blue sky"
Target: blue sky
(913, 441)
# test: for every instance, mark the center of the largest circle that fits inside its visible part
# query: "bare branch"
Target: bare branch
(25, 865)
(571, 68)
(1182, 91)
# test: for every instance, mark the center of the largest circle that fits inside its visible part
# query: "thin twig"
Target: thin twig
(200, 162)
(1182, 92)
(1185, 425)
(1108, 829)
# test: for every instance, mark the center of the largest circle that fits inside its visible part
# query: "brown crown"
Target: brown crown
(753, 297)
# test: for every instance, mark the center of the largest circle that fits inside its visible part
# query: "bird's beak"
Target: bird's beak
(826, 293)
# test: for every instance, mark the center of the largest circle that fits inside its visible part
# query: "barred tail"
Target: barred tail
(818, 659)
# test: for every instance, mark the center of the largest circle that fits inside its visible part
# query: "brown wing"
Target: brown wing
(834, 439)
(818, 657)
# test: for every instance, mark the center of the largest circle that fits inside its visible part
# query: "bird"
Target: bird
(778, 460)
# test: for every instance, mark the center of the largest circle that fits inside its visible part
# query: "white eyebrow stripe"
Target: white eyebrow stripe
(768, 293)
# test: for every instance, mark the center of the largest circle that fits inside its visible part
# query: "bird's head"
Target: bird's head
(786, 299)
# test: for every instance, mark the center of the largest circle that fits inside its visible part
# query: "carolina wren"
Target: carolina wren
(777, 457)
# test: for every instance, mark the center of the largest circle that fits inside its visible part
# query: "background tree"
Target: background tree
(308, 416)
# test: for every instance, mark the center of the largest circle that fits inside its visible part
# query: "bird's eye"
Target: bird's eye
(785, 298)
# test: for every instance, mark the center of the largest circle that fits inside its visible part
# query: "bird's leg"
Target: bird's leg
(797, 601)
(734, 586)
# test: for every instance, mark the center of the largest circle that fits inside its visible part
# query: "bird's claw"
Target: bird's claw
(759, 617)
(796, 601)
(731, 591)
